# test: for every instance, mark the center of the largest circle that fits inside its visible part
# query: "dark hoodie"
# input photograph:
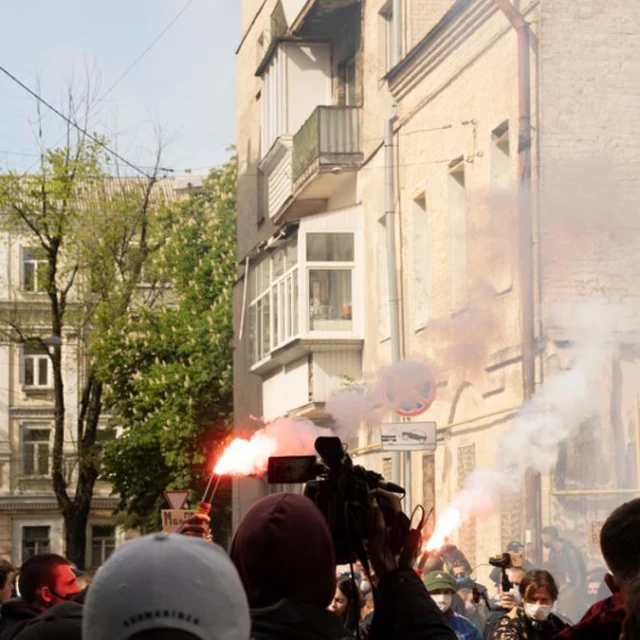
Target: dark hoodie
(61, 622)
(14, 615)
(284, 554)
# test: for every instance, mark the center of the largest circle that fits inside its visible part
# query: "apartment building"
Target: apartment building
(318, 82)
(30, 519)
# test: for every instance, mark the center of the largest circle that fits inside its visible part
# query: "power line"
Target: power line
(144, 53)
(73, 124)
(126, 72)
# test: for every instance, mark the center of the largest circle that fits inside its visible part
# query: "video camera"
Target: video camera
(344, 493)
(506, 561)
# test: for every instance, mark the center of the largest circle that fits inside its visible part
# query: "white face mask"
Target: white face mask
(365, 587)
(537, 612)
(443, 600)
(515, 592)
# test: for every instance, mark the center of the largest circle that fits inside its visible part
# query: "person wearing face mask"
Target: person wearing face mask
(532, 620)
(442, 587)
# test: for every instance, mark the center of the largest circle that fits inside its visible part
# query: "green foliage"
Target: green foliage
(169, 367)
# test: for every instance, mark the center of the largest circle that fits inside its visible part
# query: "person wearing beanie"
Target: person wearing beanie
(284, 554)
(167, 586)
(285, 557)
(442, 587)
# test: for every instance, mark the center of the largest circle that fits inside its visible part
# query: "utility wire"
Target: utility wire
(72, 123)
(124, 74)
(144, 53)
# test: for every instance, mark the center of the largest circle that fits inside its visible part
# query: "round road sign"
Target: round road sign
(408, 388)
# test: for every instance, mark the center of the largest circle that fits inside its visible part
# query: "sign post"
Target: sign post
(408, 390)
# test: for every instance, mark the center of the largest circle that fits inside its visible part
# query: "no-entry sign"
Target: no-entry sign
(408, 388)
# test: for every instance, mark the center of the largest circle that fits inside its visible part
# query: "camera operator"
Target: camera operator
(285, 556)
(533, 620)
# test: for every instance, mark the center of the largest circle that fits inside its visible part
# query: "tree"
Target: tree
(170, 367)
(94, 234)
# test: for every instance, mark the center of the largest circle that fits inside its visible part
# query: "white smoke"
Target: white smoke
(564, 403)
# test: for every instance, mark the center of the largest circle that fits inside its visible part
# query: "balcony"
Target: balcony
(326, 150)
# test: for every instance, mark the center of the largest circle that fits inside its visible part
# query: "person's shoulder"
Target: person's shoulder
(462, 622)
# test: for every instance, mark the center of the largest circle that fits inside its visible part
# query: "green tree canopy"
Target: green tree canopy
(169, 368)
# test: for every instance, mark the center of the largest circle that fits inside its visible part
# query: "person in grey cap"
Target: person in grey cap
(167, 587)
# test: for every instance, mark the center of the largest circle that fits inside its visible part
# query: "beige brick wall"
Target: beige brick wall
(456, 91)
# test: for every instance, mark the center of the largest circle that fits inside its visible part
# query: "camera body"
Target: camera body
(507, 560)
(344, 494)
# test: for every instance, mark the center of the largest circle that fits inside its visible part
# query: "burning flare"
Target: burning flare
(282, 437)
(447, 523)
(246, 457)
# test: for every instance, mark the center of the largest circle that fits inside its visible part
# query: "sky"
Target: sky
(184, 85)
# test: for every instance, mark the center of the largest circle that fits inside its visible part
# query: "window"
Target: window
(273, 310)
(285, 107)
(459, 279)
(35, 540)
(106, 433)
(36, 367)
(503, 219)
(386, 20)
(103, 544)
(330, 262)
(384, 319)
(420, 263)
(387, 468)
(34, 270)
(347, 76)
(35, 450)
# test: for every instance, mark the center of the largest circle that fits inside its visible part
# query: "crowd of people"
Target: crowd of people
(280, 581)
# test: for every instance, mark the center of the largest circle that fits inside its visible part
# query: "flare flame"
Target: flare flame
(447, 523)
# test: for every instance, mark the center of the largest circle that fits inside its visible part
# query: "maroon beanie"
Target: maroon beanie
(283, 550)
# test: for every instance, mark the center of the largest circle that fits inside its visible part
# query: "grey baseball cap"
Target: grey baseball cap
(167, 582)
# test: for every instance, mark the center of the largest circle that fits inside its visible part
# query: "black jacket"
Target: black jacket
(288, 620)
(405, 611)
(14, 615)
(61, 622)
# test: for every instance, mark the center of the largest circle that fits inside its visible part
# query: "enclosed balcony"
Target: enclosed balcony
(326, 150)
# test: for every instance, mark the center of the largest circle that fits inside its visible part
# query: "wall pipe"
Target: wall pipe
(392, 275)
(525, 240)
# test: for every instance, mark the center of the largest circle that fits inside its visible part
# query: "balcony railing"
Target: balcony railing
(329, 138)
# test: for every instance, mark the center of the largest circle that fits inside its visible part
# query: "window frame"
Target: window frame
(37, 263)
(328, 265)
(23, 546)
(290, 319)
(111, 540)
(37, 444)
(37, 357)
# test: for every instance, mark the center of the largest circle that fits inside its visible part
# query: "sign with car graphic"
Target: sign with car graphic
(408, 436)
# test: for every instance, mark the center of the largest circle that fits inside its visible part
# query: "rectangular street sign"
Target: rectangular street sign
(408, 436)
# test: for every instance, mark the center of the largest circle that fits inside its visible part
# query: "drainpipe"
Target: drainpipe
(525, 241)
(392, 265)
(397, 32)
(392, 275)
